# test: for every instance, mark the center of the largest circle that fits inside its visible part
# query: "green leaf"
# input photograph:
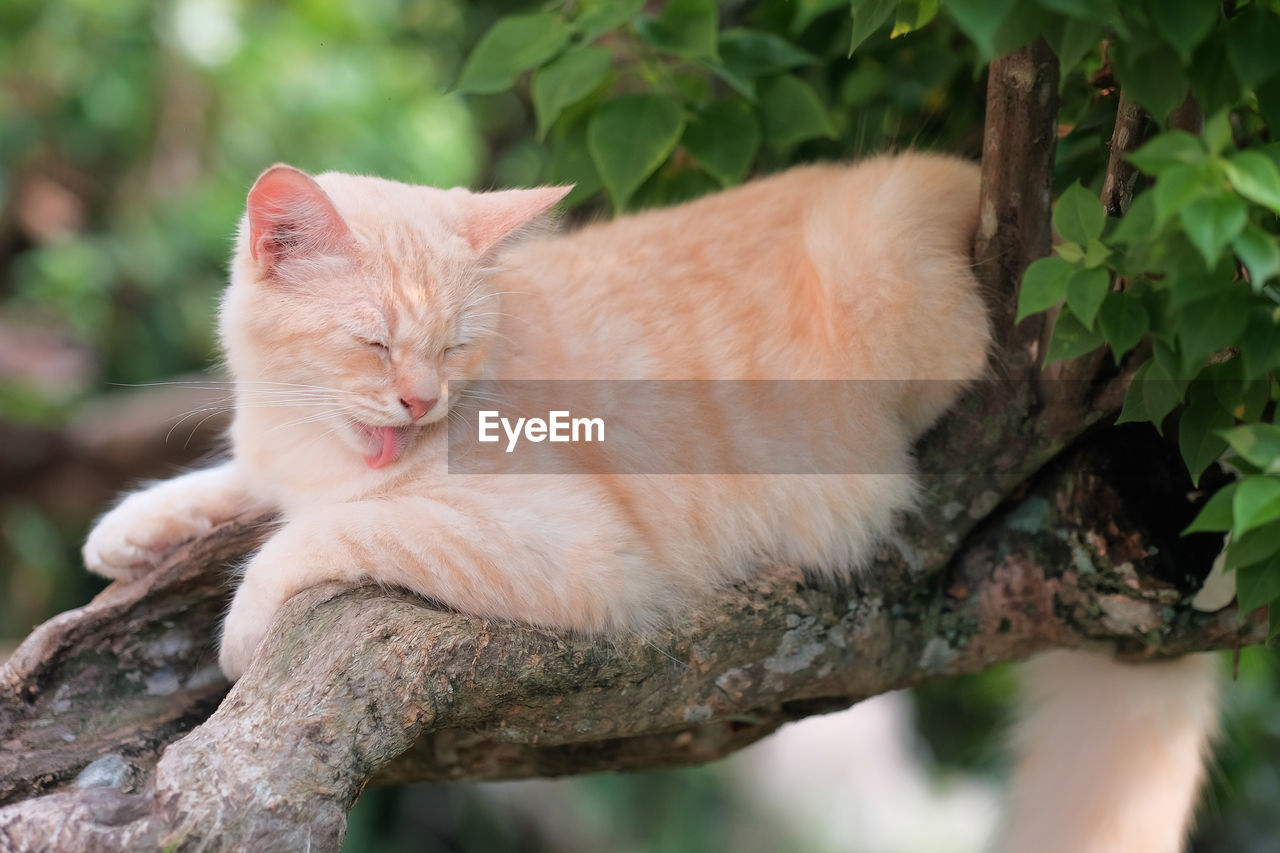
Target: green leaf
(863, 84)
(1260, 253)
(1071, 252)
(1193, 285)
(1256, 502)
(912, 15)
(1078, 216)
(1074, 42)
(1260, 344)
(1256, 546)
(570, 163)
(1104, 12)
(723, 139)
(1044, 285)
(808, 11)
(1242, 396)
(1095, 254)
(1165, 354)
(684, 27)
(1024, 24)
(629, 138)
(601, 16)
(1213, 81)
(1258, 443)
(1215, 515)
(748, 53)
(868, 16)
(1269, 101)
(1213, 221)
(1256, 178)
(513, 44)
(1123, 321)
(1176, 187)
(980, 20)
(1213, 324)
(1258, 585)
(1198, 440)
(1183, 23)
(792, 112)
(1152, 395)
(1139, 224)
(1153, 78)
(1071, 338)
(1167, 150)
(566, 80)
(690, 87)
(1216, 132)
(1253, 398)
(1085, 291)
(1252, 37)
(744, 86)
(672, 185)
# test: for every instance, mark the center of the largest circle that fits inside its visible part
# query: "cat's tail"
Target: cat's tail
(1111, 755)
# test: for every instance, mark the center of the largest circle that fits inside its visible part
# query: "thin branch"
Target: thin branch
(1017, 184)
(1131, 129)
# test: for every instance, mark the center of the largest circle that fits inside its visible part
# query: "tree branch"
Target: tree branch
(354, 683)
(1019, 139)
(1132, 126)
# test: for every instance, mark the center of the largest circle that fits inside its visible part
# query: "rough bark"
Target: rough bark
(1010, 554)
(355, 684)
(1132, 126)
(1019, 139)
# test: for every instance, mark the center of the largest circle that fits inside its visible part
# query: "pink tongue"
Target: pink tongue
(390, 448)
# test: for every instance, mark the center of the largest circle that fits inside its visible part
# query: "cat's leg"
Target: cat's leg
(133, 537)
(1111, 754)
(543, 561)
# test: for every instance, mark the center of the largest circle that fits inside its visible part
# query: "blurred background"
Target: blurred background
(130, 132)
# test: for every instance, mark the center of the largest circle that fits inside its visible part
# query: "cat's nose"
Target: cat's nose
(417, 407)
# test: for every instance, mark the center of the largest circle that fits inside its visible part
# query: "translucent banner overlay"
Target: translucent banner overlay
(690, 427)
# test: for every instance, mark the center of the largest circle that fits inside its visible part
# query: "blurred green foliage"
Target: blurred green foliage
(130, 131)
(152, 119)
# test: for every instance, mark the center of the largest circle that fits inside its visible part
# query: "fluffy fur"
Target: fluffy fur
(1111, 755)
(361, 311)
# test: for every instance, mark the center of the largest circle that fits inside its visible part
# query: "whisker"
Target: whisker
(194, 430)
(187, 415)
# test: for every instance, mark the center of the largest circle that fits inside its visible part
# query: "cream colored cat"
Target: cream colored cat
(362, 313)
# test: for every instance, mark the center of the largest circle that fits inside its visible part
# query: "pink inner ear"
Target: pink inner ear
(492, 216)
(290, 216)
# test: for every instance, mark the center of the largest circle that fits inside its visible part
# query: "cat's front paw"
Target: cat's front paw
(132, 539)
(236, 652)
(301, 554)
(243, 631)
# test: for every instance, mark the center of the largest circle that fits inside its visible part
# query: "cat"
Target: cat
(363, 315)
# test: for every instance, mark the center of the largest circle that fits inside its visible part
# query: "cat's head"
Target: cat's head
(362, 304)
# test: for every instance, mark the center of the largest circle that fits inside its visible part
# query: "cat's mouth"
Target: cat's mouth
(387, 442)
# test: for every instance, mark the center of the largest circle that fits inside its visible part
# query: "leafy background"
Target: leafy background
(130, 131)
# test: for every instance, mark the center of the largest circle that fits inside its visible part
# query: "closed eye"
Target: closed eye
(452, 350)
(379, 346)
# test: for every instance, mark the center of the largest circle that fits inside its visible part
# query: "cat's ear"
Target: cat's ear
(488, 217)
(290, 216)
